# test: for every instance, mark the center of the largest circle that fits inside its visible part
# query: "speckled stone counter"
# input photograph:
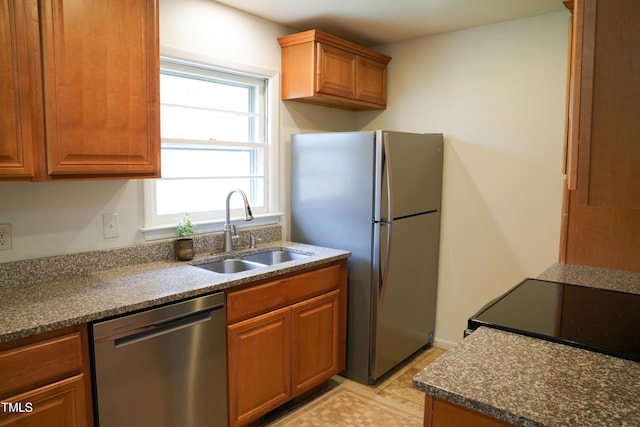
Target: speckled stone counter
(28, 308)
(531, 382)
(595, 277)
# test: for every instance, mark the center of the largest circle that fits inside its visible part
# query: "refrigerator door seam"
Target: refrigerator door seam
(415, 214)
(375, 290)
(387, 257)
(386, 162)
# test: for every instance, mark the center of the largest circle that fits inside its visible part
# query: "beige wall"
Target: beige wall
(497, 93)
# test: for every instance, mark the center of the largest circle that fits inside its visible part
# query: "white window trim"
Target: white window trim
(275, 177)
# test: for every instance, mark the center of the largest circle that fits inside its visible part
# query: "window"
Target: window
(214, 139)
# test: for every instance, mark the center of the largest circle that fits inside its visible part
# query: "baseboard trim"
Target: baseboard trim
(445, 344)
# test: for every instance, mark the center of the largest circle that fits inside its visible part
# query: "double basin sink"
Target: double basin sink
(251, 261)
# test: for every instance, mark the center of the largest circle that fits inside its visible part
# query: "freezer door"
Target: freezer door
(409, 174)
(332, 190)
(405, 295)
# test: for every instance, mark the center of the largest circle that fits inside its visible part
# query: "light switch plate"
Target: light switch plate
(110, 226)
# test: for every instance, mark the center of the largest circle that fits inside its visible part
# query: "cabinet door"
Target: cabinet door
(20, 118)
(602, 209)
(259, 365)
(371, 81)
(101, 79)
(336, 72)
(61, 404)
(440, 413)
(315, 341)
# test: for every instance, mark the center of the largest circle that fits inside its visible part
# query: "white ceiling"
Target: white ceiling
(378, 22)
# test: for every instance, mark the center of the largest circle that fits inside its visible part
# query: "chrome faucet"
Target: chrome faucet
(230, 230)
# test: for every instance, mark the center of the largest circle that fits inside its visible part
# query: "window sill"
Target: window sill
(169, 231)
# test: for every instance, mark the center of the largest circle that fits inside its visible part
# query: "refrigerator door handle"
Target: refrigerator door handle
(386, 165)
(384, 255)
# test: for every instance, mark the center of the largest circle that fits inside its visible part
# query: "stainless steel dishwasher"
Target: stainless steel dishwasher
(162, 367)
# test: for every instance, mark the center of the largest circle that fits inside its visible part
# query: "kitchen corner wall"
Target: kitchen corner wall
(66, 217)
(497, 93)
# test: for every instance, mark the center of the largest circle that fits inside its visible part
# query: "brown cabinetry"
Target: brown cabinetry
(79, 84)
(259, 365)
(284, 338)
(20, 90)
(45, 380)
(440, 413)
(601, 224)
(315, 341)
(323, 69)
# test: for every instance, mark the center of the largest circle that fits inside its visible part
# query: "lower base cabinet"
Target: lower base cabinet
(44, 380)
(439, 413)
(315, 342)
(284, 338)
(259, 368)
(60, 404)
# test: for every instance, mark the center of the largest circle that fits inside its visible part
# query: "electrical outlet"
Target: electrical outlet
(5, 237)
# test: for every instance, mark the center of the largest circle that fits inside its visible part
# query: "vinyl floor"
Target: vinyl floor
(392, 393)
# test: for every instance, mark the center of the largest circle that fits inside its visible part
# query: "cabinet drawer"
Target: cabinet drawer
(258, 299)
(40, 362)
(59, 404)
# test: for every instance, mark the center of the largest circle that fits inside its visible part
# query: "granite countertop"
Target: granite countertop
(594, 277)
(30, 308)
(531, 382)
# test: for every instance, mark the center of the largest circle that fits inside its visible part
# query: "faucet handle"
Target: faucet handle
(253, 241)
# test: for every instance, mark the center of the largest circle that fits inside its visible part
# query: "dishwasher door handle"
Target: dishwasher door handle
(159, 329)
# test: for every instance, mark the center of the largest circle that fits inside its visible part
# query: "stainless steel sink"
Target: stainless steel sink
(250, 262)
(227, 266)
(273, 257)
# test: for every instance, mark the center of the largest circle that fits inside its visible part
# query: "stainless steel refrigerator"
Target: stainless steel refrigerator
(376, 194)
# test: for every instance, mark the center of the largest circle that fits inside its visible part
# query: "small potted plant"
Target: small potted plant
(184, 245)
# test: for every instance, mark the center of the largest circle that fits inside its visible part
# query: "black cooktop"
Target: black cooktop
(600, 320)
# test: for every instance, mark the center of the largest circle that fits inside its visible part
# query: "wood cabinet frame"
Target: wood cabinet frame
(440, 413)
(285, 337)
(85, 83)
(52, 372)
(601, 202)
(21, 127)
(322, 69)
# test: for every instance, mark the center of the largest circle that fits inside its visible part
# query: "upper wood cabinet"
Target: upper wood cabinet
(323, 69)
(601, 225)
(87, 104)
(20, 90)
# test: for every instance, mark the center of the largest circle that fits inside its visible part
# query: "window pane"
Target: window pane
(201, 195)
(187, 91)
(199, 162)
(206, 125)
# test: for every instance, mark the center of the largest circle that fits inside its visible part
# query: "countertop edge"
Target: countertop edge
(475, 405)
